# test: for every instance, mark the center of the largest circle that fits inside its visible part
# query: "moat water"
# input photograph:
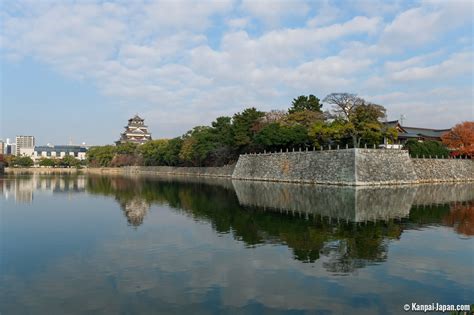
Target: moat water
(88, 244)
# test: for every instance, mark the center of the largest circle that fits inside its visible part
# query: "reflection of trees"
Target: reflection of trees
(461, 217)
(346, 246)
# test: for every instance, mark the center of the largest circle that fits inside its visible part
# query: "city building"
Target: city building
(2, 147)
(421, 134)
(135, 132)
(10, 149)
(59, 151)
(24, 142)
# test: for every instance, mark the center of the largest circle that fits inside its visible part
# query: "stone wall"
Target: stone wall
(443, 170)
(382, 167)
(357, 167)
(224, 171)
(323, 167)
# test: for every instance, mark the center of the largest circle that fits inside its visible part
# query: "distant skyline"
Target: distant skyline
(80, 69)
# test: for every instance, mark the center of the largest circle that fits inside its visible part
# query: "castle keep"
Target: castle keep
(135, 132)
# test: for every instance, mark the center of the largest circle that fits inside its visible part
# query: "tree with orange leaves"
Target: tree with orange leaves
(461, 138)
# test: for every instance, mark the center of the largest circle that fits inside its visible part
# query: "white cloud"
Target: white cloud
(455, 65)
(440, 107)
(272, 11)
(172, 59)
(326, 13)
(238, 23)
(427, 23)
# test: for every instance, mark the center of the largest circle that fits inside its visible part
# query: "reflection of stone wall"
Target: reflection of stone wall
(444, 193)
(439, 170)
(346, 203)
(351, 167)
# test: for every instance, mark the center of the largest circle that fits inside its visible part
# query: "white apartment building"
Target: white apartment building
(59, 151)
(24, 142)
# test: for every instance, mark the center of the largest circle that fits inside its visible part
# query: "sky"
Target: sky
(76, 71)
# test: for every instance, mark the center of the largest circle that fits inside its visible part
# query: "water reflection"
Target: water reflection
(172, 261)
(349, 226)
(22, 188)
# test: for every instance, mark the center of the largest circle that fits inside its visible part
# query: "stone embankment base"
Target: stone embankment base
(354, 167)
(349, 167)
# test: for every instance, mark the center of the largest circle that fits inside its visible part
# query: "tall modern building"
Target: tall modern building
(24, 142)
(135, 132)
(2, 147)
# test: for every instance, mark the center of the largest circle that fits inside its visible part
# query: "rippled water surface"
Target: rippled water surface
(116, 245)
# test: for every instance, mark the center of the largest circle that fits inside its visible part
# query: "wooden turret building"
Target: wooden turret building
(135, 132)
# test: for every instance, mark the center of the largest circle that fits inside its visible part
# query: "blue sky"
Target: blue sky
(79, 69)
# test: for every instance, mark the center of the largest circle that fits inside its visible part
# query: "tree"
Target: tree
(186, 152)
(275, 136)
(461, 138)
(48, 162)
(303, 102)
(244, 127)
(426, 148)
(362, 117)
(222, 129)
(367, 126)
(100, 156)
(120, 160)
(171, 156)
(126, 148)
(344, 103)
(336, 132)
(154, 152)
(303, 117)
(69, 161)
(9, 160)
(23, 161)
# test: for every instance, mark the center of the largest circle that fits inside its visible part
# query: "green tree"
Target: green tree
(426, 148)
(336, 132)
(154, 152)
(9, 160)
(100, 156)
(126, 148)
(23, 161)
(69, 161)
(171, 156)
(222, 129)
(225, 151)
(362, 117)
(275, 136)
(187, 151)
(48, 162)
(244, 127)
(303, 117)
(198, 144)
(367, 126)
(302, 102)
